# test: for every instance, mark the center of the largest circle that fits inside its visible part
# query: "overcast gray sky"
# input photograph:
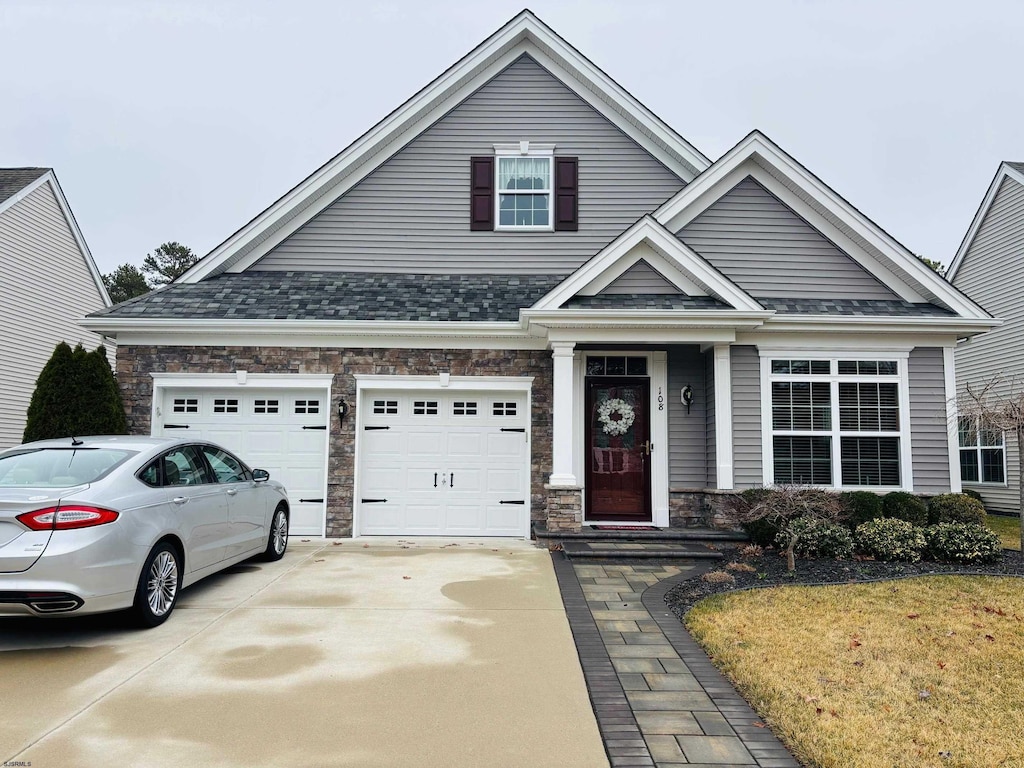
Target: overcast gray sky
(183, 119)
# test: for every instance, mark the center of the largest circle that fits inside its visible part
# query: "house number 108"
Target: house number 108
(661, 400)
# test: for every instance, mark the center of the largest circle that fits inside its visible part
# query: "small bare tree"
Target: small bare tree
(780, 506)
(998, 404)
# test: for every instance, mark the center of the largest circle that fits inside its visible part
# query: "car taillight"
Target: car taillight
(64, 518)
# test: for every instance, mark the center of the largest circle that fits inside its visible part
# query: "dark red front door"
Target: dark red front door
(618, 483)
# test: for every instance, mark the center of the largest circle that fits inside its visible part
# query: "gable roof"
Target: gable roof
(18, 183)
(867, 243)
(679, 264)
(1007, 170)
(13, 180)
(525, 33)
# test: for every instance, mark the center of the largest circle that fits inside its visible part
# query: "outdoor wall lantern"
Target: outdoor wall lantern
(342, 412)
(687, 397)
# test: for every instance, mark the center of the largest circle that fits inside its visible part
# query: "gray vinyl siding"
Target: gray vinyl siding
(992, 273)
(768, 250)
(687, 458)
(746, 417)
(641, 278)
(929, 435)
(45, 288)
(712, 438)
(412, 213)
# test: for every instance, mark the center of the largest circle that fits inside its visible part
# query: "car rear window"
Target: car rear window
(59, 467)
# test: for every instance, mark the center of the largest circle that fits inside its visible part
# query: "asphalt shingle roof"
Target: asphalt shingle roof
(862, 307)
(406, 297)
(644, 301)
(1016, 166)
(342, 296)
(13, 180)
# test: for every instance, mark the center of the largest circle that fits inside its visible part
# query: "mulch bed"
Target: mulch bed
(770, 571)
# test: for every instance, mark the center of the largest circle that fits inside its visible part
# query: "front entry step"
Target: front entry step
(624, 549)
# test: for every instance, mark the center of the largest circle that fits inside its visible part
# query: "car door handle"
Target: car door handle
(232, 491)
(180, 500)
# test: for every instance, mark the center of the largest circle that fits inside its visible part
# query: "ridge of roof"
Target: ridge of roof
(1006, 170)
(13, 180)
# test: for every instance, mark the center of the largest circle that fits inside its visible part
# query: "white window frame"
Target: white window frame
(835, 433)
(531, 150)
(977, 447)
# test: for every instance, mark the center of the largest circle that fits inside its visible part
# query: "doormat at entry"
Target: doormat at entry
(625, 528)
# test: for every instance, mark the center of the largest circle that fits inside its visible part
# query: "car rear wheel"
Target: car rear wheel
(159, 584)
(277, 541)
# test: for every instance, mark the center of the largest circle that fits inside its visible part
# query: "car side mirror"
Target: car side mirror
(260, 475)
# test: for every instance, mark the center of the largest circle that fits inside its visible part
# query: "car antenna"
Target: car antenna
(75, 441)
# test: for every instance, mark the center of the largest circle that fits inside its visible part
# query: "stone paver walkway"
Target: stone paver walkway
(658, 699)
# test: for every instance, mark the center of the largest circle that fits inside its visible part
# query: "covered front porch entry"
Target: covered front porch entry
(631, 423)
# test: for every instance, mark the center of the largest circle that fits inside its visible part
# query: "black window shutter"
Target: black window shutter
(566, 194)
(481, 193)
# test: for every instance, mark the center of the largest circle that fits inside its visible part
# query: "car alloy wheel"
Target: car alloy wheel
(162, 586)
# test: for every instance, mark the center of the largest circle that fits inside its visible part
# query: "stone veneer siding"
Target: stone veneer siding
(136, 363)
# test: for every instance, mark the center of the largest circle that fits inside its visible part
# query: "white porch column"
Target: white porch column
(723, 415)
(952, 419)
(561, 416)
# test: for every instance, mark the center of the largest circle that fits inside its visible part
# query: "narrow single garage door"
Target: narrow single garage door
(443, 463)
(281, 431)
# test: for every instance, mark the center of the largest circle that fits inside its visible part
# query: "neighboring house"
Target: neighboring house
(48, 283)
(990, 268)
(531, 299)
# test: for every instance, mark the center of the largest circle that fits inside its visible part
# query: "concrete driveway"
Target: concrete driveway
(364, 653)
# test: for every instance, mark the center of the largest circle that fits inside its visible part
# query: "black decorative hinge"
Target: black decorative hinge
(311, 501)
(368, 429)
(175, 426)
(373, 501)
(322, 426)
(513, 429)
(511, 502)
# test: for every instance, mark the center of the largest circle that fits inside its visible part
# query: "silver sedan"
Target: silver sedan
(109, 523)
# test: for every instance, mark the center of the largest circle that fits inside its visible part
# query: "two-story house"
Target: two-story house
(522, 297)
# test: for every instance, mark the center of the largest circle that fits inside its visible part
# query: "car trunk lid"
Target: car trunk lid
(19, 546)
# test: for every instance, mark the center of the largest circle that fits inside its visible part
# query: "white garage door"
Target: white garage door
(444, 463)
(281, 431)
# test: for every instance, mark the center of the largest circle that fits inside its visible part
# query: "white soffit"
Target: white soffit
(523, 34)
(863, 240)
(1005, 171)
(665, 253)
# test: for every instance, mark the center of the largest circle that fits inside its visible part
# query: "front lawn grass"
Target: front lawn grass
(919, 672)
(1007, 528)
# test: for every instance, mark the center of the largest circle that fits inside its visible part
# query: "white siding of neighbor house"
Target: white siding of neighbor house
(45, 287)
(992, 273)
(746, 417)
(768, 250)
(929, 434)
(411, 215)
(641, 278)
(686, 431)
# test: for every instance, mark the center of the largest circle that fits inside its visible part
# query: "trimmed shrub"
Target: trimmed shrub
(860, 507)
(818, 538)
(955, 508)
(905, 506)
(891, 539)
(718, 577)
(963, 543)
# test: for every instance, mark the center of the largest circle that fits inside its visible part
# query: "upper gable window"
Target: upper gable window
(524, 187)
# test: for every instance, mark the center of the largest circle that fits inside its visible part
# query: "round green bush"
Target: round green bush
(817, 538)
(860, 506)
(963, 543)
(905, 506)
(955, 508)
(891, 539)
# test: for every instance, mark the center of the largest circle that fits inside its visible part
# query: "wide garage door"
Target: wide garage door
(281, 431)
(444, 463)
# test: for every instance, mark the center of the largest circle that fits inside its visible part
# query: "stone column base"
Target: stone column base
(565, 508)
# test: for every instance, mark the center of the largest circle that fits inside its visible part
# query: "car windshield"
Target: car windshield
(59, 467)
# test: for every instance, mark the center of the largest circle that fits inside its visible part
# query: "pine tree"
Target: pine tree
(76, 395)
